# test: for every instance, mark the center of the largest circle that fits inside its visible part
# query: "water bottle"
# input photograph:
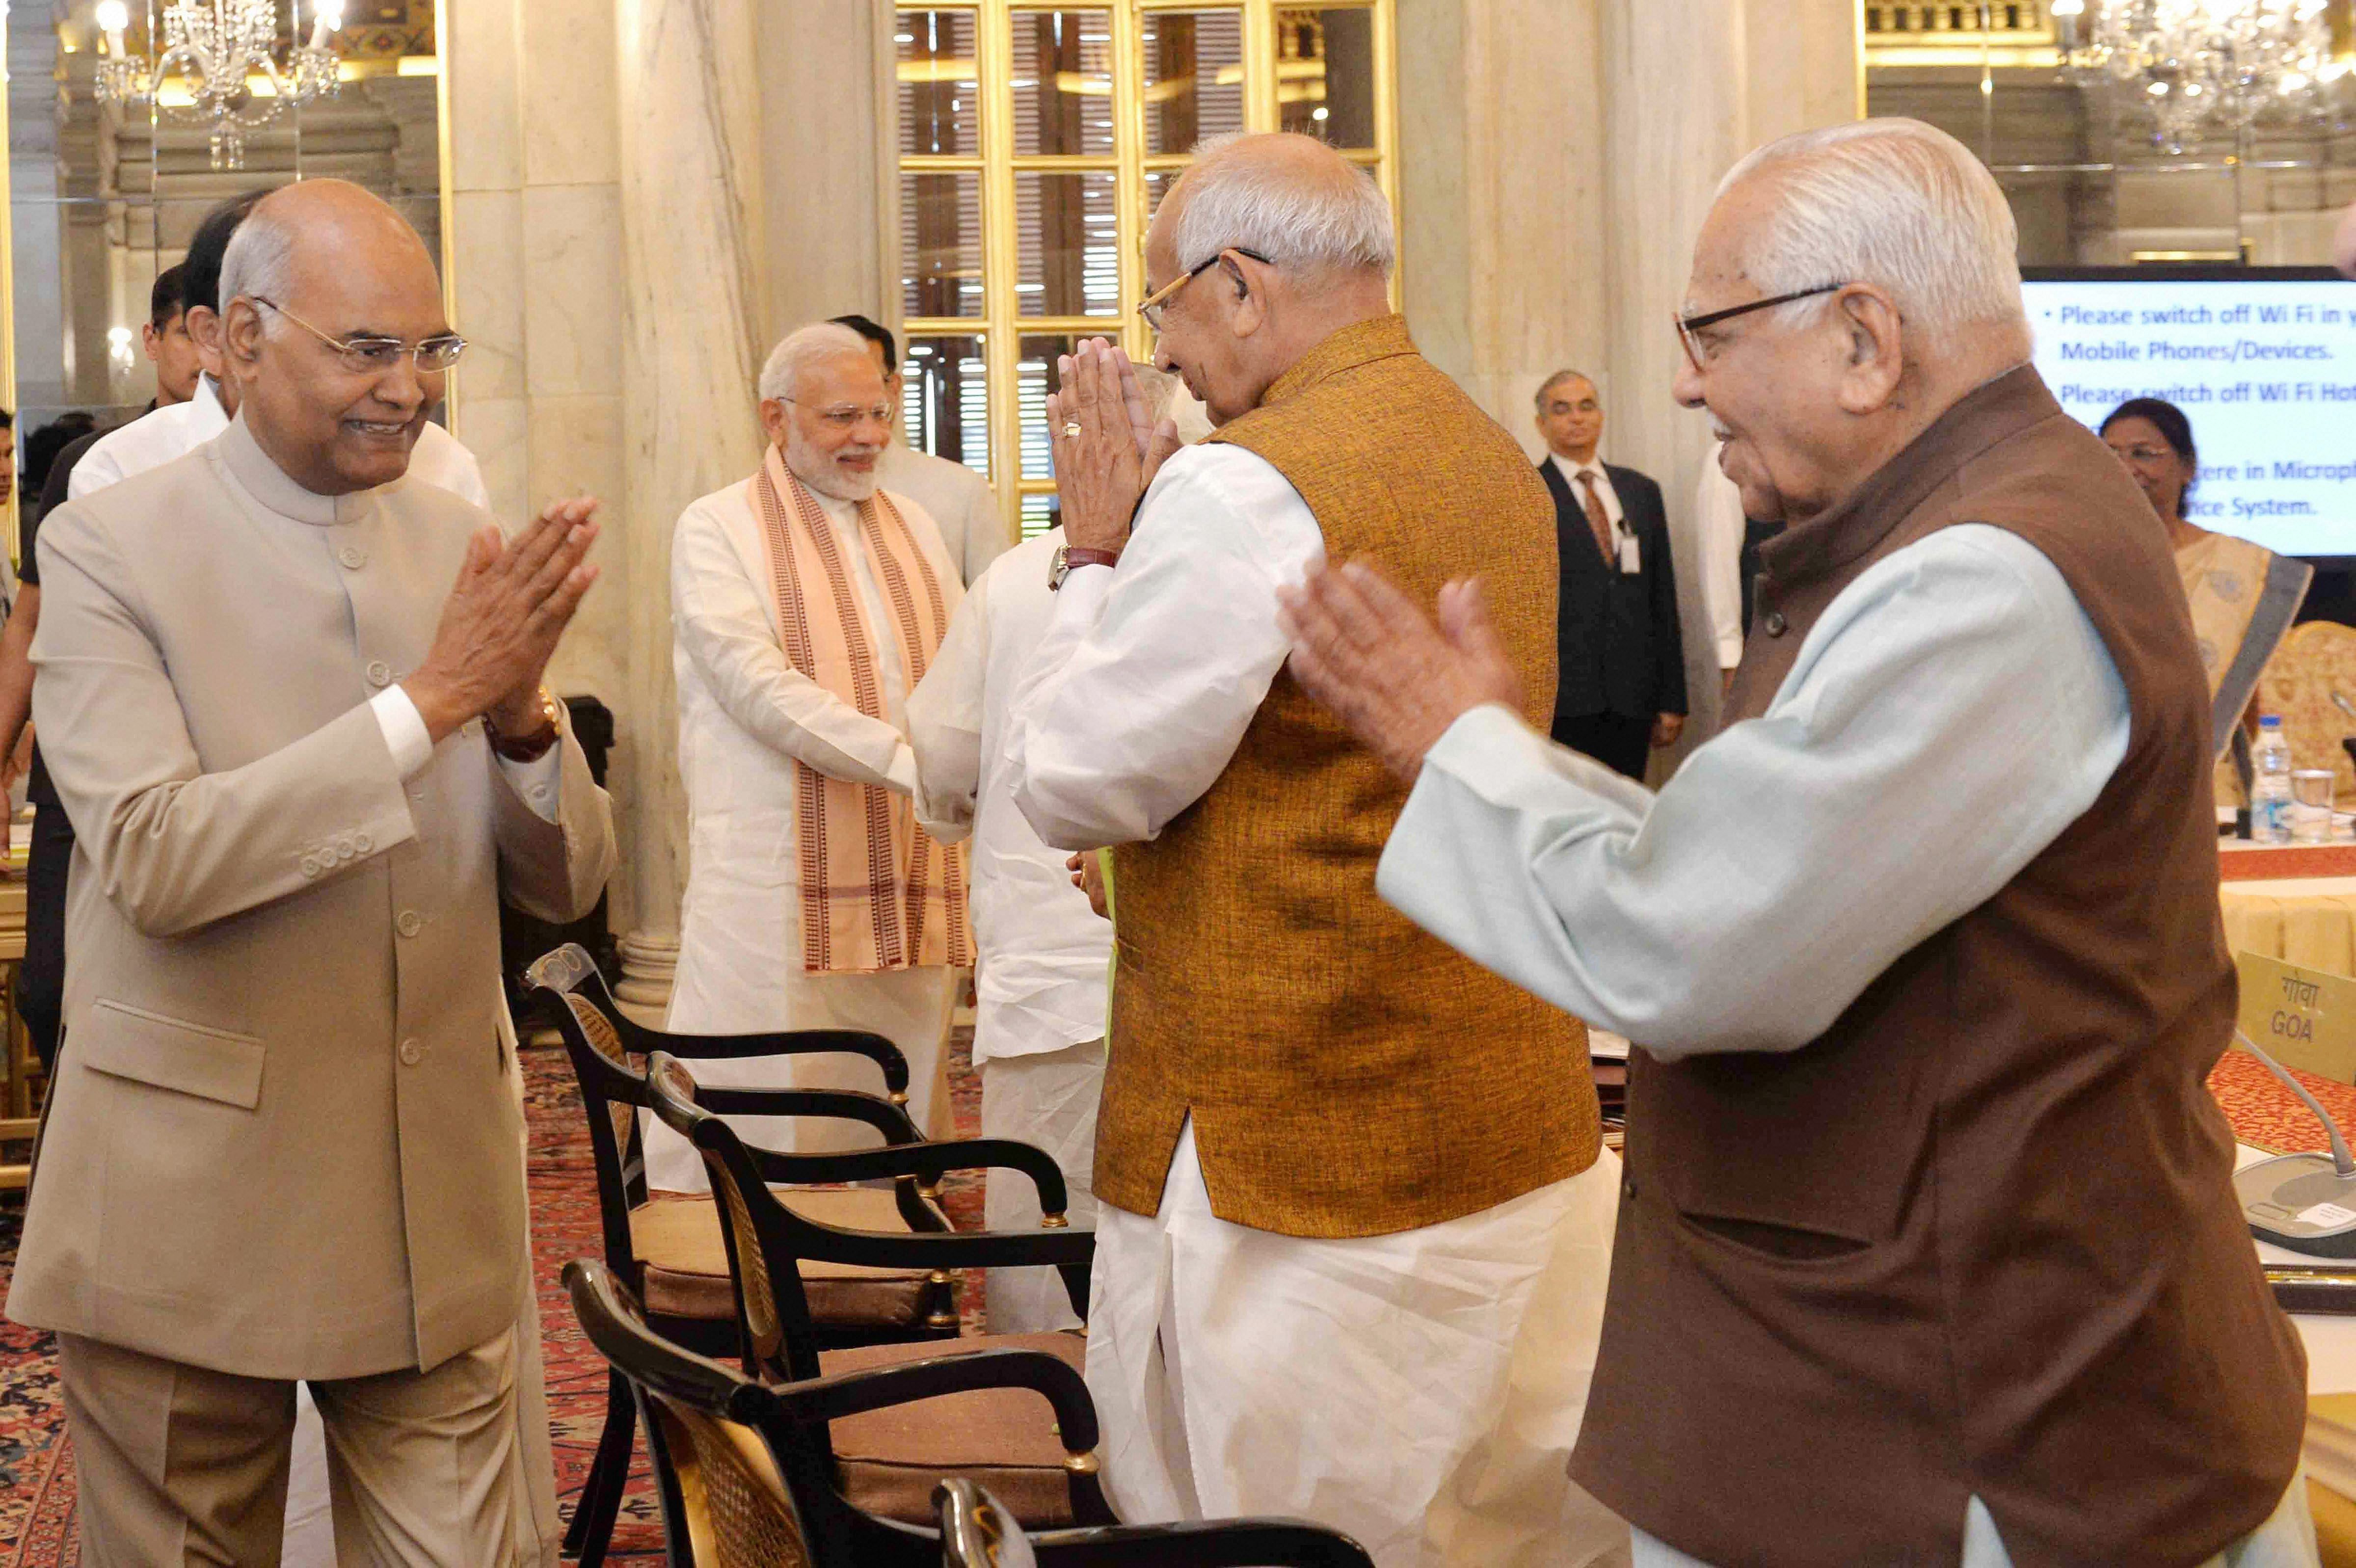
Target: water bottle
(2270, 795)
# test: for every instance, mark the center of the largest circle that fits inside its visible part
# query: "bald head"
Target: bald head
(320, 231)
(316, 265)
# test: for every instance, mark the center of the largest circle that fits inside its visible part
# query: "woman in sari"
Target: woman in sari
(2243, 597)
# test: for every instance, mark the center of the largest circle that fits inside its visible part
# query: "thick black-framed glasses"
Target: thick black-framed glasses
(1688, 325)
(1151, 306)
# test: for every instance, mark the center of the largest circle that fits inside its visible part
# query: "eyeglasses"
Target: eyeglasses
(1689, 326)
(846, 416)
(2145, 453)
(375, 355)
(1151, 307)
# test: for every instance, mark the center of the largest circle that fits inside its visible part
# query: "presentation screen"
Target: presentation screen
(2262, 361)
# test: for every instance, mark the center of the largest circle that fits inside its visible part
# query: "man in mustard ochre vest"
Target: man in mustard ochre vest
(1354, 1211)
(1929, 1252)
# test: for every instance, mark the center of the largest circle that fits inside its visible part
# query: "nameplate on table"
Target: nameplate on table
(2302, 1018)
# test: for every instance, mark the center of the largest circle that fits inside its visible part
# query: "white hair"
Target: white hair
(1891, 202)
(259, 264)
(1295, 218)
(803, 348)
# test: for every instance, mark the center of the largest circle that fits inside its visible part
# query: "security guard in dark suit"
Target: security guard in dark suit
(1621, 686)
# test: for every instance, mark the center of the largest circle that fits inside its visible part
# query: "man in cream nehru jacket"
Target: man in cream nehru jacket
(302, 766)
(149, 441)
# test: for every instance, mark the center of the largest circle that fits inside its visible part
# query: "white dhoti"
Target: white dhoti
(1419, 1390)
(1049, 1100)
(910, 1008)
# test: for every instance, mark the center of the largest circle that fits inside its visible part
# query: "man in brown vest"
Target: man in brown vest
(1928, 1251)
(1354, 1218)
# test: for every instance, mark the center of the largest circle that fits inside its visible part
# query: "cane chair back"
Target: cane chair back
(734, 1506)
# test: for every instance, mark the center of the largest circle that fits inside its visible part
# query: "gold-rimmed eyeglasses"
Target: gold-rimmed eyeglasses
(371, 355)
(847, 416)
(1688, 327)
(1151, 307)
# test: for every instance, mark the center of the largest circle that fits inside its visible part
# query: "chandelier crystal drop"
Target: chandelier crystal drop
(2213, 65)
(226, 54)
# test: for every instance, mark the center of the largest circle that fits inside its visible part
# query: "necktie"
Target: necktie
(1598, 518)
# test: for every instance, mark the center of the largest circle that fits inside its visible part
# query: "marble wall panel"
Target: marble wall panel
(1435, 256)
(572, 134)
(1501, 197)
(481, 51)
(493, 429)
(575, 445)
(691, 299)
(488, 282)
(571, 246)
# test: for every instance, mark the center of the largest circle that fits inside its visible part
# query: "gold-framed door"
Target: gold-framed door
(1032, 139)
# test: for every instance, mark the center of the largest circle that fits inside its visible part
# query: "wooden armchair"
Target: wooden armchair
(886, 1463)
(745, 1468)
(670, 1250)
(978, 1532)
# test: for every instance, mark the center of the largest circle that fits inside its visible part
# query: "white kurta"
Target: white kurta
(745, 717)
(1720, 526)
(1420, 1390)
(1040, 951)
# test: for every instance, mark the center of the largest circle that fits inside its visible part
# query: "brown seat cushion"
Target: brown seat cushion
(677, 1236)
(1004, 1440)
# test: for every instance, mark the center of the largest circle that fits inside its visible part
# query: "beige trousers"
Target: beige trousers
(182, 1465)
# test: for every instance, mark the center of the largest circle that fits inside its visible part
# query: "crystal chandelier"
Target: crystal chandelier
(226, 53)
(2208, 64)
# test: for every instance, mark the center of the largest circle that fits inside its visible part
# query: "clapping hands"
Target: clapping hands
(1361, 648)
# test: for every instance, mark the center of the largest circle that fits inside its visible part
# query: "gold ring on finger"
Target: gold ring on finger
(1071, 429)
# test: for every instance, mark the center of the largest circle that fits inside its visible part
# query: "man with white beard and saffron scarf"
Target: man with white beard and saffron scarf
(806, 604)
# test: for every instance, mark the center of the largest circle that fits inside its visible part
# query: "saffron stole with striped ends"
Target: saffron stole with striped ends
(878, 893)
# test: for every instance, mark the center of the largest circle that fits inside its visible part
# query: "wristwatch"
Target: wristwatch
(528, 748)
(1069, 556)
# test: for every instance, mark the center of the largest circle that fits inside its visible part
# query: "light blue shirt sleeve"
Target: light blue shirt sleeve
(1949, 715)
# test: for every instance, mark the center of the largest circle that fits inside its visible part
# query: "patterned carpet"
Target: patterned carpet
(36, 1477)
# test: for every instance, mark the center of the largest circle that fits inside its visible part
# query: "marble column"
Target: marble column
(1741, 72)
(826, 73)
(1502, 187)
(692, 293)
